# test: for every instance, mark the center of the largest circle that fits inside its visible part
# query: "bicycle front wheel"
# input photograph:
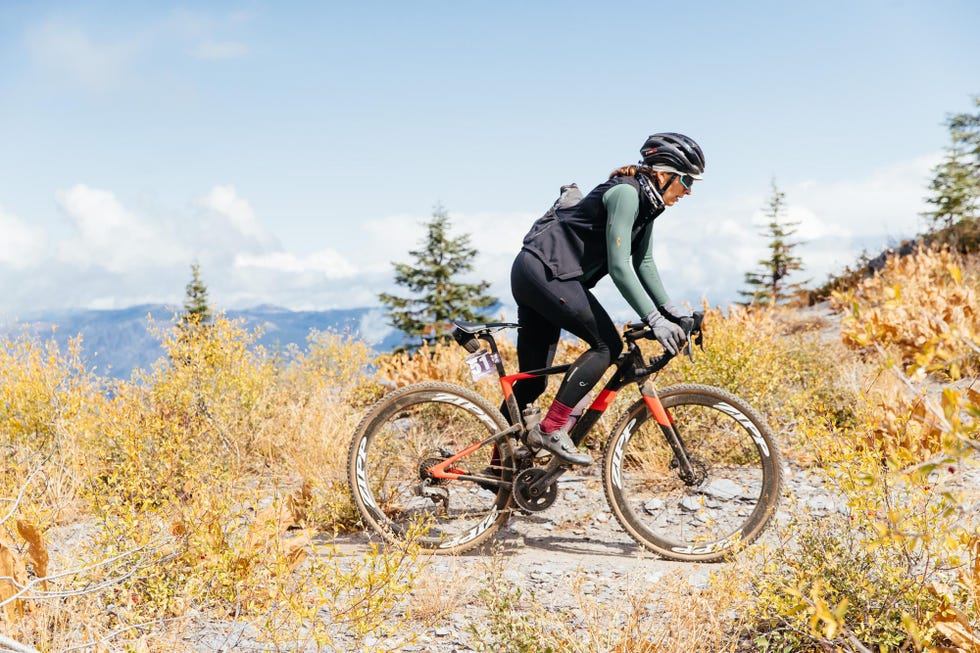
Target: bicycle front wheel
(406, 433)
(737, 475)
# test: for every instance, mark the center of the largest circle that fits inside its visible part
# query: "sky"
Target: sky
(294, 150)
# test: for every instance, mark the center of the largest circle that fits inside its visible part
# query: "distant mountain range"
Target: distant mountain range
(116, 342)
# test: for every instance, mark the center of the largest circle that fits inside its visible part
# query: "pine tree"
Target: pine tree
(197, 310)
(438, 297)
(956, 184)
(768, 285)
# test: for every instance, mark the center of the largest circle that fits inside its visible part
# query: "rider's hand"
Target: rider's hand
(679, 316)
(667, 333)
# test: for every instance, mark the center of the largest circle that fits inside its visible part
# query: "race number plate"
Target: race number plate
(481, 364)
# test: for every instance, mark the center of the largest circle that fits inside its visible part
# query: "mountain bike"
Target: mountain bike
(691, 472)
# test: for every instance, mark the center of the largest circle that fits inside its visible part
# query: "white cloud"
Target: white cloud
(838, 220)
(886, 202)
(119, 254)
(73, 54)
(111, 237)
(220, 50)
(225, 203)
(208, 32)
(325, 263)
(21, 245)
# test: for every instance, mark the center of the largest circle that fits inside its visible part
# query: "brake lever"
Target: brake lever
(696, 335)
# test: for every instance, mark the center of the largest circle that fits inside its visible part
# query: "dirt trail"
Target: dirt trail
(576, 549)
(573, 550)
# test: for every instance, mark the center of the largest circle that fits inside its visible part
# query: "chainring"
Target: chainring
(524, 495)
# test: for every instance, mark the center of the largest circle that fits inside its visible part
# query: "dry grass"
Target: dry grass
(437, 594)
(199, 482)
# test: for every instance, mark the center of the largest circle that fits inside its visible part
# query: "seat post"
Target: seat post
(497, 358)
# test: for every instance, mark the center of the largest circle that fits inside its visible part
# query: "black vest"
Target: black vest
(571, 240)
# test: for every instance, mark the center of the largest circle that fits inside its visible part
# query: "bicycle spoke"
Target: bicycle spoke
(406, 435)
(735, 485)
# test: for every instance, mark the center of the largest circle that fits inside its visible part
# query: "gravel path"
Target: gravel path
(576, 548)
(573, 551)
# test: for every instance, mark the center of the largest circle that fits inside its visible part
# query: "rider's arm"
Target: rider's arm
(622, 204)
(646, 268)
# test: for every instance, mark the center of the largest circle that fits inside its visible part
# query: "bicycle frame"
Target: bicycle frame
(629, 368)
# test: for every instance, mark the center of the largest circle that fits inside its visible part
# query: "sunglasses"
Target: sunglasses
(686, 181)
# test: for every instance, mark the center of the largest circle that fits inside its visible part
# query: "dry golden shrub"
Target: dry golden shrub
(864, 576)
(14, 576)
(918, 303)
(313, 411)
(920, 314)
(195, 486)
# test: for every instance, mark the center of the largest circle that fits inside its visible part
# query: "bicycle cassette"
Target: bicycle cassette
(528, 496)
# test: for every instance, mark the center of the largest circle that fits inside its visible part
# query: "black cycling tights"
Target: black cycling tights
(545, 306)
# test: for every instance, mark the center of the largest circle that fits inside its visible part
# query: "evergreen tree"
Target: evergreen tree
(197, 310)
(768, 285)
(956, 184)
(438, 296)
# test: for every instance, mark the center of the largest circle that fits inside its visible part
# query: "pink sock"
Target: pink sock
(557, 416)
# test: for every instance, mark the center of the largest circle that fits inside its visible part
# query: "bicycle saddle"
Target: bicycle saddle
(477, 327)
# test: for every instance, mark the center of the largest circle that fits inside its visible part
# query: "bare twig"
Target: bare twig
(969, 343)
(15, 646)
(930, 405)
(23, 489)
(858, 646)
(116, 633)
(25, 590)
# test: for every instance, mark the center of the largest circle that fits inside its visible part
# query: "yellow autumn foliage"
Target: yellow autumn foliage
(211, 483)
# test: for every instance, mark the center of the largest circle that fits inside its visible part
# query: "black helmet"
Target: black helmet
(672, 152)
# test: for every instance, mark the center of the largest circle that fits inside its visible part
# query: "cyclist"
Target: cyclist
(607, 231)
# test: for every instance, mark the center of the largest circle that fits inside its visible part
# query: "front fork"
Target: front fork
(685, 469)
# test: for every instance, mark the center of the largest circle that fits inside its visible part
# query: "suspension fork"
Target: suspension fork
(685, 470)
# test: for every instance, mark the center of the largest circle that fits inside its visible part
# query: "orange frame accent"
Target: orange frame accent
(657, 410)
(507, 382)
(441, 470)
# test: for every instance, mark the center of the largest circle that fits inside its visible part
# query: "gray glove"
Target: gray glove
(678, 316)
(667, 333)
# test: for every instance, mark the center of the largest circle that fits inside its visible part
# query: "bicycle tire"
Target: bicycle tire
(401, 436)
(737, 460)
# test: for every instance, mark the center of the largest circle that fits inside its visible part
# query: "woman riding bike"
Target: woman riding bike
(568, 251)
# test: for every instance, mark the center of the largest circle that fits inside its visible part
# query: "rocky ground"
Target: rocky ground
(572, 552)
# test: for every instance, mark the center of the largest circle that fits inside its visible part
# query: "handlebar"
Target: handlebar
(694, 332)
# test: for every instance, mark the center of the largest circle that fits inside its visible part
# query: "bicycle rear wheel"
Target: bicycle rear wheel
(737, 468)
(407, 432)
